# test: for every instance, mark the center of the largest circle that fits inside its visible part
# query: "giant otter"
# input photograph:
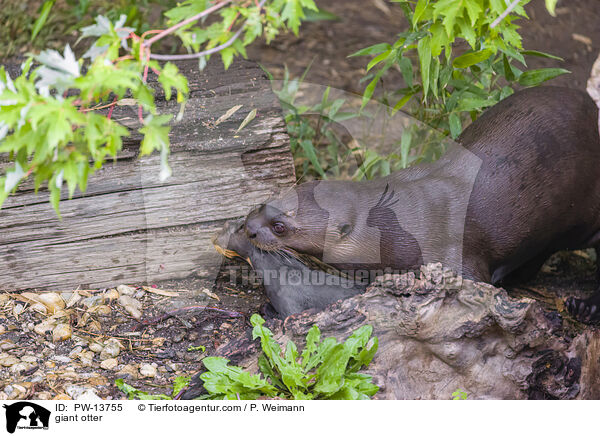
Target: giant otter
(291, 285)
(524, 184)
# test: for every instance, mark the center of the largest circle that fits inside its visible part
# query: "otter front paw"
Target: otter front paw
(586, 311)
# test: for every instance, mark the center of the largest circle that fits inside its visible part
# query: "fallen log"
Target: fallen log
(129, 227)
(439, 334)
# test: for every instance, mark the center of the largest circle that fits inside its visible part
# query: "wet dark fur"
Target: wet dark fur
(537, 192)
(285, 294)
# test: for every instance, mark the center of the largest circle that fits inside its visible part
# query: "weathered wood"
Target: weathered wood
(130, 227)
(439, 333)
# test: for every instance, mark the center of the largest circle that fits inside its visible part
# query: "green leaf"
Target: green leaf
(472, 58)
(156, 134)
(406, 69)
(439, 39)
(381, 57)
(541, 54)
(401, 103)
(455, 125)
(39, 23)
(320, 15)
(535, 77)
(424, 50)
(371, 50)
(419, 9)
(551, 6)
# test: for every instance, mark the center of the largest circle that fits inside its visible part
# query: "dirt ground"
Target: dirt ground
(574, 35)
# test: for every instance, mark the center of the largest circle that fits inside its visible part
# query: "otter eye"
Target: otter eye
(345, 230)
(278, 228)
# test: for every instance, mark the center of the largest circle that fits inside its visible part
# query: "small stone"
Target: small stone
(131, 305)
(147, 370)
(125, 290)
(61, 359)
(103, 310)
(29, 358)
(88, 395)
(75, 352)
(44, 326)
(62, 397)
(112, 348)
(2, 329)
(109, 364)
(52, 301)
(9, 361)
(44, 395)
(21, 366)
(17, 310)
(96, 347)
(111, 294)
(61, 332)
(7, 344)
(130, 370)
(19, 392)
(91, 301)
(4, 396)
(39, 308)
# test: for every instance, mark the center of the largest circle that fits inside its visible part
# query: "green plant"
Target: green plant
(326, 369)
(318, 150)
(447, 86)
(49, 120)
(459, 394)
(137, 394)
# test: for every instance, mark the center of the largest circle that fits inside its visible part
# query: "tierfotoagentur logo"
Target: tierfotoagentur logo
(25, 415)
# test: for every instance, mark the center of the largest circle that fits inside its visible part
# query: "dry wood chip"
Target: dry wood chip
(228, 114)
(161, 292)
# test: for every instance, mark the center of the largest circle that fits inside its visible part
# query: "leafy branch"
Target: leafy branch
(49, 120)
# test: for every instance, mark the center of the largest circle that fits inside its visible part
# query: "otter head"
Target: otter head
(293, 221)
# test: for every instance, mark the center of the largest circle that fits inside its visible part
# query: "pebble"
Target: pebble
(52, 301)
(44, 395)
(8, 361)
(21, 366)
(148, 370)
(29, 358)
(44, 326)
(62, 359)
(62, 397)
(130, 370)
(112, 348)
(61, 332)
(109, 364)
(125, 290)
(75, 352)
(7, 344)
(103, 310)
(131, 305)
(111, 294)
(96, 347)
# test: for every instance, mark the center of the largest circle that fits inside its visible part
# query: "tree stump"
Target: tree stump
(439, 333)
(129, 227)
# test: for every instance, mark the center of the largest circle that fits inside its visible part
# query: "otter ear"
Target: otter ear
(345, 230)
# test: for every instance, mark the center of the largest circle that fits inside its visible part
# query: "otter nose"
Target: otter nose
(253, 223)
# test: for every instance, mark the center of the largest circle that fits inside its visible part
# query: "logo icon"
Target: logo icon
(26, 415)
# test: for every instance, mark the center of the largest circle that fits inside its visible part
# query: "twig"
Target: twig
(205, 52)
(505, 13)
(186, 21)
(199, 54)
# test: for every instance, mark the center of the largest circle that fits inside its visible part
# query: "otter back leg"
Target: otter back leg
(587, 310)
